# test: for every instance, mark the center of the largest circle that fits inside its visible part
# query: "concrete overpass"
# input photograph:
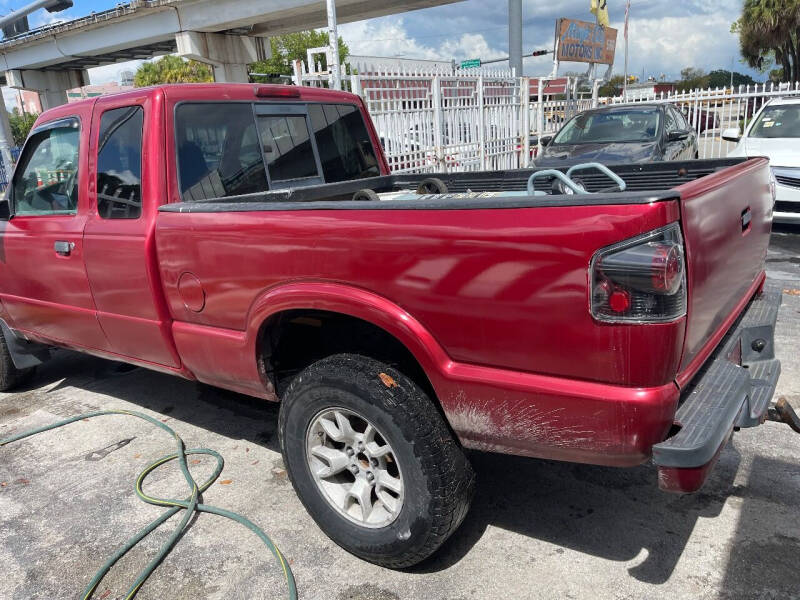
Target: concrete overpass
(227, 34)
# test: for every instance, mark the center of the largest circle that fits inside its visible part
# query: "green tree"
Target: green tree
(172, 69)
(21, 125)
(612, 87)
(289, 47)
(769, 32)
(720, 78)
(692, 78)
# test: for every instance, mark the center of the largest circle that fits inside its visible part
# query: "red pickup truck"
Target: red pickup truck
(253, 238)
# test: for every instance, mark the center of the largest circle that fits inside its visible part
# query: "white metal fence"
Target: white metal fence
(438, 121)
(434, 120)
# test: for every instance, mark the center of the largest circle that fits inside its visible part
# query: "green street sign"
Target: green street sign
(472, 63)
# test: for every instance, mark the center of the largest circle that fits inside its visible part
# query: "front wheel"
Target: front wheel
(10, 375)
(373, 461)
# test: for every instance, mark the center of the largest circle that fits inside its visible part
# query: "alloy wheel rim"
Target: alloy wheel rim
(354, 467)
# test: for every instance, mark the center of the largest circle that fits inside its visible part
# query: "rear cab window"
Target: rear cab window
(226, 149)
(345, 147)
(46, 179)
(218, 152)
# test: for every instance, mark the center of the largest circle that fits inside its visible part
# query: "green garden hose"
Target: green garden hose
(190, 505)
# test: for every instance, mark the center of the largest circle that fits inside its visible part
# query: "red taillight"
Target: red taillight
(276, 91)
(619, 301)
(667, 268)
(640, 280)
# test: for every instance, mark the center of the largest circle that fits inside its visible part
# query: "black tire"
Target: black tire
(437, 476)
(10, 376)
(366, 195)
(432, 185)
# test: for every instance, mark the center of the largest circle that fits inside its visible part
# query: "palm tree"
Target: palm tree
(771, 28)
(172, 69)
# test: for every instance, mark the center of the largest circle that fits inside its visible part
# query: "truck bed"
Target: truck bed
(646, 183)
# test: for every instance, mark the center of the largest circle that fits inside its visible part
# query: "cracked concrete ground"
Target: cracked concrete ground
(537, 529)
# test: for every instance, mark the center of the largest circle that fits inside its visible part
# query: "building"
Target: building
(649, 89)
(29, 102)
(90, 91)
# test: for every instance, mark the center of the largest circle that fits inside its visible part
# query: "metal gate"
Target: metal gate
(434, 121)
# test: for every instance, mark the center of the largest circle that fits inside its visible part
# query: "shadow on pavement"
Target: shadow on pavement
(226, 413)
(606, 512)
(764, 559)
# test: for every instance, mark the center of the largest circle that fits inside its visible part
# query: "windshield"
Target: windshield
(778, 122)
(634, 125)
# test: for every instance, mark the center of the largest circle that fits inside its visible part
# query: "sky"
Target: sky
(664, 36)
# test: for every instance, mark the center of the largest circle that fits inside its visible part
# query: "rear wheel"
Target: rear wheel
(373, 461)
(10, 376)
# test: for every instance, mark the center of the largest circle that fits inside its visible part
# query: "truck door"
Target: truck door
(127, 168)
(43, 282)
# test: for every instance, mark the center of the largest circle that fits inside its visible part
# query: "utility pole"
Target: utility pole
(334, 69)
(515, 36)
(625, 81)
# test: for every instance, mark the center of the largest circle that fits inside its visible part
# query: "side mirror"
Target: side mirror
(546, 139)
(5, 209)
(733, 134)
(681, 134)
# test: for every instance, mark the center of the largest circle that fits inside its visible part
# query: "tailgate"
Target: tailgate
(727, 220)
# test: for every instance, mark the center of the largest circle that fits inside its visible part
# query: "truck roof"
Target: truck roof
(222, 92)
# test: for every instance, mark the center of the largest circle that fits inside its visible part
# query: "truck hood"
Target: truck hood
(556, 156)
(782, 152)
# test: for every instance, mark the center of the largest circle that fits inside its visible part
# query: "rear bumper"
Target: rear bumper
(733, 390)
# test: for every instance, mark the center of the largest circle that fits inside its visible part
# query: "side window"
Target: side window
(287, 147)
(119, 163)
(682, 124)
(46, 179)
(218, 151)
(670, 124)
(345, 149)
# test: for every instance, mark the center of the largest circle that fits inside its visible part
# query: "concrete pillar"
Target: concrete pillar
(6, 141)
(515, 36)
(228, 55)
(230, 73)
(52, 98)
(51, 85)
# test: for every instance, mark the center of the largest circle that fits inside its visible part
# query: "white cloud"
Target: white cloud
(668, 44)
(390, 38)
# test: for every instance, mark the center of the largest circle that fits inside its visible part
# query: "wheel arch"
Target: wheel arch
(346, 305)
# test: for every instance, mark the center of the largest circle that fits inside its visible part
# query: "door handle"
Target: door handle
(747, 219)
(64, 248)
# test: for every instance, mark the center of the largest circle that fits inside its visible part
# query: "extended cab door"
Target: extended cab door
(43, 282)
(126, 156)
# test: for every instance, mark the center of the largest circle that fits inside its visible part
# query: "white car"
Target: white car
(775, 133)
